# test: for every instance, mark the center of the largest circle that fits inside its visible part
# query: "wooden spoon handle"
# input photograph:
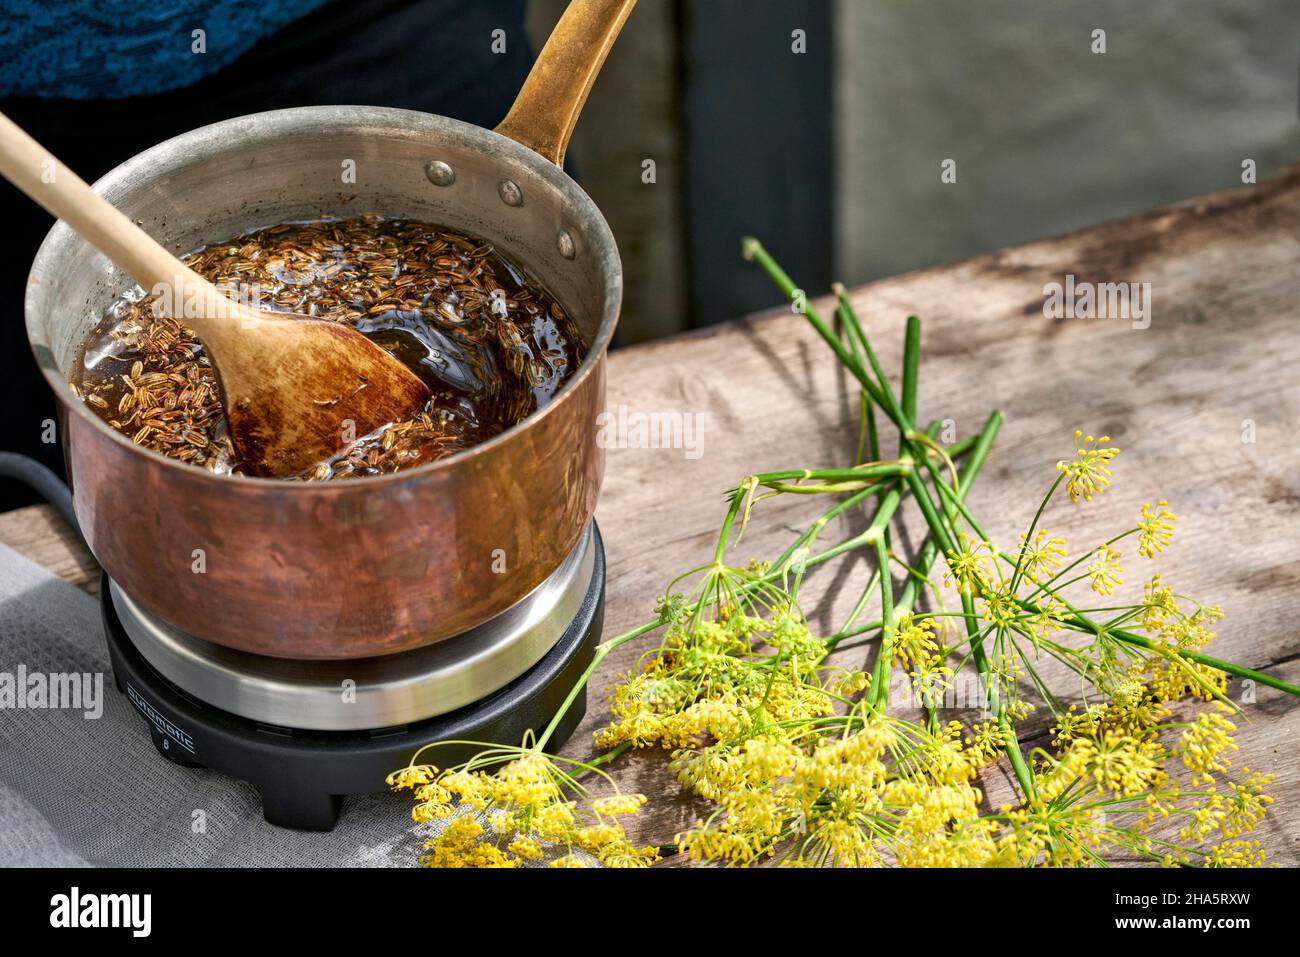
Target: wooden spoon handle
(31, 168)
(546, 110)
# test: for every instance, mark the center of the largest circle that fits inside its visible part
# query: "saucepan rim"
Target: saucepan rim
(179, 150)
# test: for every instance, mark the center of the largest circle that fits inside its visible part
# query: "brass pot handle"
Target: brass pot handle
(547, 107)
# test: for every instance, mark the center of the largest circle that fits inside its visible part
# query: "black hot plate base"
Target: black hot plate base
(304, 775)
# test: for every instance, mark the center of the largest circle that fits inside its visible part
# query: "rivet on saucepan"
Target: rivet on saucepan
(439, 173)
(510, 193)
(564, 242)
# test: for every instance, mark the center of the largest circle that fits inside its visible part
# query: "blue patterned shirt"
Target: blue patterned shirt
(109, 49)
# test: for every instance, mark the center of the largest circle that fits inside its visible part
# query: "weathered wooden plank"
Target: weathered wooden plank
(39, 533)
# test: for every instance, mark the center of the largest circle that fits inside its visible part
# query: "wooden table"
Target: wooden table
(1205, 404)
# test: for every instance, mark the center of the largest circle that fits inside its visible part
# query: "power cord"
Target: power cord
(36, 476)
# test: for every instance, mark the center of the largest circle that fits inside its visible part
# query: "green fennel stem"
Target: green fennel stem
(929, 551)
(737, 500)
(602, 650)
(883, 396)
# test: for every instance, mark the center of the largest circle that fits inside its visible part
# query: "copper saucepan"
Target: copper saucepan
(375, 565)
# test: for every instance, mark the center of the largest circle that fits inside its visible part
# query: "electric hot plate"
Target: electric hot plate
(308, 733)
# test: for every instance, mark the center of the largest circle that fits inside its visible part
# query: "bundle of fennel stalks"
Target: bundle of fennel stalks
(799, 759)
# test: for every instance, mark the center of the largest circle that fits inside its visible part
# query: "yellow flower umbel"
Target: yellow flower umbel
(508, 807)
(1088, 472)
(1105, 570)
(877, 791)
(1157, 526)
(1040, 557)
(913, 639)
(969, 565)
(791, 766)
(1112, 790)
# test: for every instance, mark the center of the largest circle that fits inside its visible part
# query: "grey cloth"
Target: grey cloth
(78, 791)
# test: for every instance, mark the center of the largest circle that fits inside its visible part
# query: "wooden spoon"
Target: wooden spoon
(296, 390)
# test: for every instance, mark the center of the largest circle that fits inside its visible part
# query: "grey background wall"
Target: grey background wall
(634, 114)
(1047, 135)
